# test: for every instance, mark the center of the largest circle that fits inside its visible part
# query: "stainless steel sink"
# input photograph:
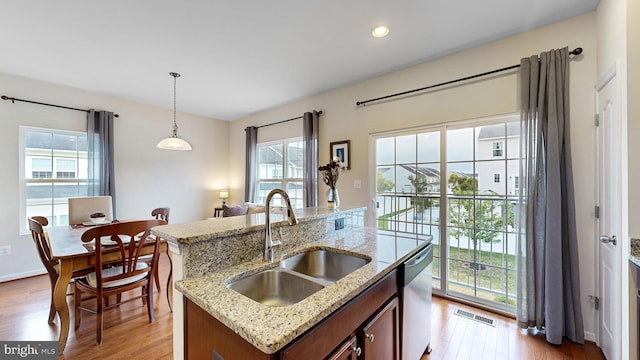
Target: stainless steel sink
(324, 264)
(275, 287)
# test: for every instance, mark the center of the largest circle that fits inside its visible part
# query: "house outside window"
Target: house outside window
(281, 165)
(496, 178)
(53, 168)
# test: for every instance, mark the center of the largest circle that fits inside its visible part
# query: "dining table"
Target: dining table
(73, 254)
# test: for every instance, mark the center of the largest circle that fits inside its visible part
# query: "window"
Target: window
(53, 168)
(496, 178)
(41, 168)
(66, 168)
(497, 147)
(281, 165)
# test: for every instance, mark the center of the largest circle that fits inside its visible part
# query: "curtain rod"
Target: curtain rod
(13, 100)
(284, 121)
(575, 52)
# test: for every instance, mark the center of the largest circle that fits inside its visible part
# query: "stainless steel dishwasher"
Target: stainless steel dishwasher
(415, 294)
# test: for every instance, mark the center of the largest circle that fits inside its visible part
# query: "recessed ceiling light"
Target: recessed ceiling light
(380, 31)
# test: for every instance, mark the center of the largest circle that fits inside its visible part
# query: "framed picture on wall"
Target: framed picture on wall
(340, 152)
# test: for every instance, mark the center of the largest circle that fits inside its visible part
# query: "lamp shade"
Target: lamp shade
(174, 143)
(224, 194)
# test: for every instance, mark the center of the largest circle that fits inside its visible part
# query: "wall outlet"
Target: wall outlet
(357, 184)
(339, 223)
(5, 250)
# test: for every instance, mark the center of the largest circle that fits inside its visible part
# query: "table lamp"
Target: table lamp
(224, 195)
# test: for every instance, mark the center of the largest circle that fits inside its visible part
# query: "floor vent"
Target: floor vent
(472, 316)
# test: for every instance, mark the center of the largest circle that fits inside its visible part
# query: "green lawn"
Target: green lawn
(493, 282)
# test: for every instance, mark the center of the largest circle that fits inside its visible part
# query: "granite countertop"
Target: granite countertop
(269, 329)
(204, 230)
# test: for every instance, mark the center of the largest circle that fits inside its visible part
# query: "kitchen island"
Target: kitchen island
(207, 272)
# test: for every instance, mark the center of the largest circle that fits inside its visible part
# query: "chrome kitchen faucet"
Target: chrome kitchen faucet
(269, 244)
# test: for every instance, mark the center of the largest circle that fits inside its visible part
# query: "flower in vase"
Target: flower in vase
(330, 173)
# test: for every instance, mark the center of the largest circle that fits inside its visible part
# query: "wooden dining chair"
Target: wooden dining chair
(43, 246)
(162, 213)
(128, 239)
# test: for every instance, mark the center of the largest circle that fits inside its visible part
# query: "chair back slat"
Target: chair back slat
(129, 239)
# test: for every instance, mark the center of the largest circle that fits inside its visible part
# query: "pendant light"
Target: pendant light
(174, 142)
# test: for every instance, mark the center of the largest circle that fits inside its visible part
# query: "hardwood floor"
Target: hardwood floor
(455, 337)
(129, 335)
(127, 331)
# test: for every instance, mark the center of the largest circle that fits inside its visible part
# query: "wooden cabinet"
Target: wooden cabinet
(349, 350)
(377, 339)
(341, 335)
(330, 334)
(380, 337)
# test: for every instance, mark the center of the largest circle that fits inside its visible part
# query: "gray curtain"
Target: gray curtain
(250, 164)
(548, 294)
(101, 176)
(310, 138)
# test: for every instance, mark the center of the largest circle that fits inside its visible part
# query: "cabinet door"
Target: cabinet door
(380, 337)
(349, 350)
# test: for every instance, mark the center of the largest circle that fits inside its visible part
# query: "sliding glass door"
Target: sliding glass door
(460, 185)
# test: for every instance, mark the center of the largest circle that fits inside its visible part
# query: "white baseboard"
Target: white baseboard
(22, 275)
(589, 336)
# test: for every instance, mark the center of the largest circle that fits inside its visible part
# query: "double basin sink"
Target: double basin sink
(298, 276)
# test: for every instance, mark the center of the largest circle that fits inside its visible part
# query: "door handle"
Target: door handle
(608, 239)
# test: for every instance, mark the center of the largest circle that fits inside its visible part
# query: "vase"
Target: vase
(333, 197)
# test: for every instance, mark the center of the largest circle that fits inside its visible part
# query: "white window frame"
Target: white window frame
(24, 181)
(283, 174)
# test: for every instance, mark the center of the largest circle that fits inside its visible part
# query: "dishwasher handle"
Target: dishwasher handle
(417, 263)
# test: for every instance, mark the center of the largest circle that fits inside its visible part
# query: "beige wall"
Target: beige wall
(342, 120)
(146, 177)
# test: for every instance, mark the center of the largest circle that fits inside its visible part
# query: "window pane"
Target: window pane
(386, 177)
(295, 160)
(406, 149)
(405, 179)
(264, 187)
(295, 189)
(38, 140)
(460, 144)
(429, 147)
(270, 158)
(428, 179)
(488, 172)
(385, 153)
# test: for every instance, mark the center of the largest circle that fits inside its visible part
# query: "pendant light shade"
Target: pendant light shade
(174, 142)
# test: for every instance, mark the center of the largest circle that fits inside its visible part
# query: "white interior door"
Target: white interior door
(608, 178)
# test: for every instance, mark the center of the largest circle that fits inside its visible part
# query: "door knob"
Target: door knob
(608, 239)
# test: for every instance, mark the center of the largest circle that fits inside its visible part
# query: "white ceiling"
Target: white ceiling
(243, 56)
